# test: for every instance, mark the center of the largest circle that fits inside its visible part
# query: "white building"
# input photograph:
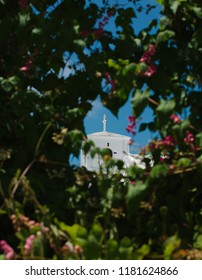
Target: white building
(117, 144)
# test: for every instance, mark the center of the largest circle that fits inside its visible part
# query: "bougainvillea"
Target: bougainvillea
(7, 249)
(50, 209)
(147, 59)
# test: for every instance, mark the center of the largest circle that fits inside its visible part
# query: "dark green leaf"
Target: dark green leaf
(140, 101)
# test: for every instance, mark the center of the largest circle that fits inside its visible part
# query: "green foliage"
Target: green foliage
(52, 210)
(171, 244)
(134, 195)
(140, 101)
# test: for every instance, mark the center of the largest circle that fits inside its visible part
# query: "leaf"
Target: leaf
(113, 64)
(6, 85)
(183, 162)
(2, 212)
(138, 43)
(161, 2)
(93, 250)
(184, 126)
(80, 43)
(199, 139)
(164, 36)
(174, 6)
(87, 145)
(143, 251)
(159, 170)
(125, 242)
(164, 22)
(196, 41)
(198, 242)
(164, 110)
(166, 107)
(170, 245)
(37, 31)
(123, 93)
(2, 257)
(129, 69)
(74, 230)
(38, 247)
(134, 195)
(197, 11)
(140, 101)
(112, 249)
(24, 19)
(143, 127)
(125, 248)
(97, 231)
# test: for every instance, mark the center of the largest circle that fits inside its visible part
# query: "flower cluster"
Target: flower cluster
(132, 125)
(68, 248)
(147, 58)
(28, 244)
(99, 32)
(23, 220)
(163, 145)
(131, 128)
(167, 142)
(189, 139)
(7, 249)
(27, 66)
(175, 118)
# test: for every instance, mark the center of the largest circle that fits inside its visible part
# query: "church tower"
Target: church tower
(117, 144)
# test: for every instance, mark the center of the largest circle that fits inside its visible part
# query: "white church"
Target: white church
(117, 144)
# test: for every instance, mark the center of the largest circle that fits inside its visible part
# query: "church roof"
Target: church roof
(105, 133)
(108, 134)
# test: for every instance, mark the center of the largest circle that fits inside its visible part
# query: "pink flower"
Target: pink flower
(171, 166)
(175, 118)
(147, 58)
(8, 250)
(131, 119)
(151, 146)
(148, 54)
(133, 183)
(151, 70)
(151, 50)
(78, 250)
(24, 68)
(130, 129)
(169, 140)
(27, 66)
(28, 244)
(189, 139)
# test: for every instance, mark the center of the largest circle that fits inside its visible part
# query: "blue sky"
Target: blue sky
(93, 121)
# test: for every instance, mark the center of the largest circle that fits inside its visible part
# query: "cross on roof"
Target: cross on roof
(104, 122)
